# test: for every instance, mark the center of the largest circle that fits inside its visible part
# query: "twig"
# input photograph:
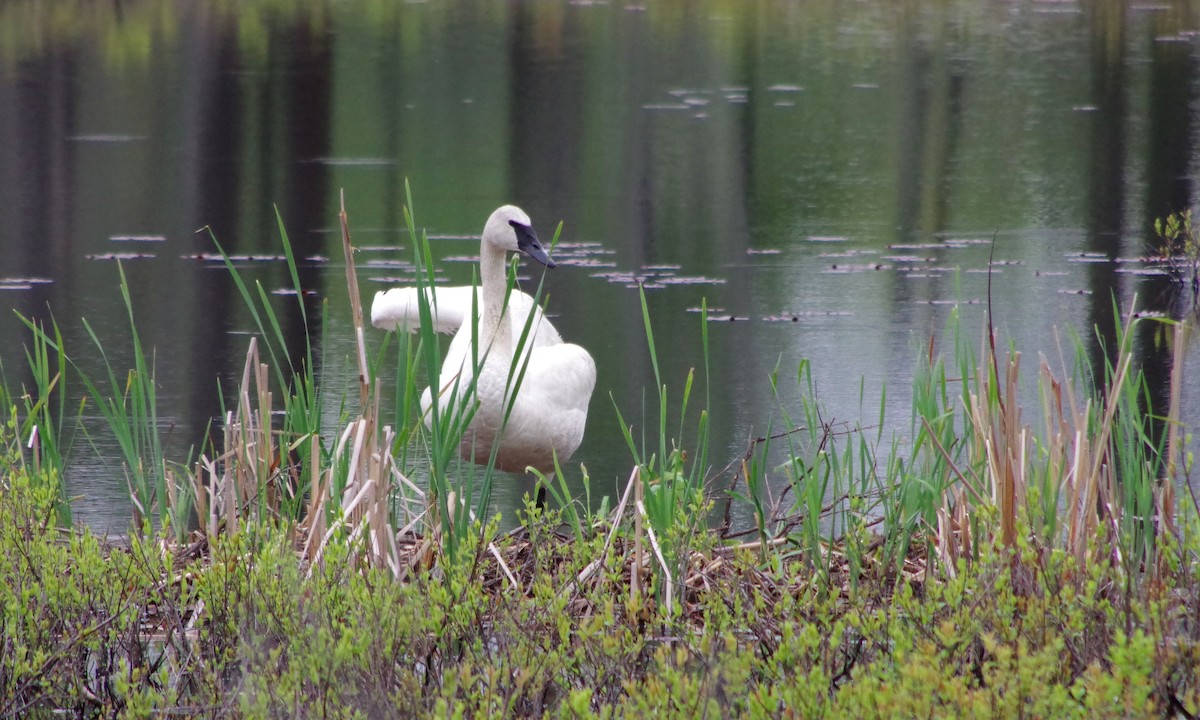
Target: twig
(355, 306)
(670, 589)
(616, 523)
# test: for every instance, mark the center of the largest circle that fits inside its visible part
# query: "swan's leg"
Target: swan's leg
(539, 500)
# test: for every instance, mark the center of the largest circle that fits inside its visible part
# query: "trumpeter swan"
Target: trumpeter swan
(550, 408)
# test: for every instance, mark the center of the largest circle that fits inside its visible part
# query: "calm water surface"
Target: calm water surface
(828, 176)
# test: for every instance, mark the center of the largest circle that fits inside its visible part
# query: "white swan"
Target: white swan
(550, 409)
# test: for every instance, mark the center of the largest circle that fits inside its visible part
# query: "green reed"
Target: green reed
(672, 479)
(45, 411)
(129, 407)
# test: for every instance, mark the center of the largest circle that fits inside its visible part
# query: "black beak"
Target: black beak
(527, 242)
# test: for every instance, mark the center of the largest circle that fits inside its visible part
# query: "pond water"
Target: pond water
(827, 175)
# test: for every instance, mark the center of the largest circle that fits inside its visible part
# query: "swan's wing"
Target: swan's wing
(550, 411)
(398, 308)
(542, 331)
(563, 376)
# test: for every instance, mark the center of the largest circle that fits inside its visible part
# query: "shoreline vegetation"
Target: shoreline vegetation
(985, 564)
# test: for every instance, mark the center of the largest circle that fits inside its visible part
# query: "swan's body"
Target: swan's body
(550, 409)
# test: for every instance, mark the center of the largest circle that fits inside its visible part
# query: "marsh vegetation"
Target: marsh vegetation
(982, 564)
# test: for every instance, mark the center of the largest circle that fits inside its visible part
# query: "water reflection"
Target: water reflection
(842, 167)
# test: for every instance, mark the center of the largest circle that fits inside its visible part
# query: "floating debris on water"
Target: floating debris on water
(914, 271)
(986, 270)
(1084, 108)
(217, 257)
(727, 318)
(1001, 263)
(855, 252)
(763, 251)
(593, 248)
(387, 263)
(686, 280)
(316, 259)
(665, 106)
(291, 292)
(583, 254)
(865, 86)
(615, 277)
(964, 242)
(377, 248)
(1049, 273)
(783, 104)
(796, 316)
(1143, 272)
(916, 246)
(25, 281)
(907, 258)
(826, 238)
(585, 262)
(1088, 257)
(1081, 291)
(845, 269)
(656, 277)
(121, 256)
(784, 88)
(401, 280)
(461, 259)
(137, 238)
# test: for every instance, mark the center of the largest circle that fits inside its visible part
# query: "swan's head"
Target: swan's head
(510, 228)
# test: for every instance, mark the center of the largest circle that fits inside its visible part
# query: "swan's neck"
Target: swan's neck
(492, 278)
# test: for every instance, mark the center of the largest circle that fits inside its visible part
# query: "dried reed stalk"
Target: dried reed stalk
(666, 569)
(364, 377)
(635, 569)
(224, 486)
(365, 501)
(596, 564)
